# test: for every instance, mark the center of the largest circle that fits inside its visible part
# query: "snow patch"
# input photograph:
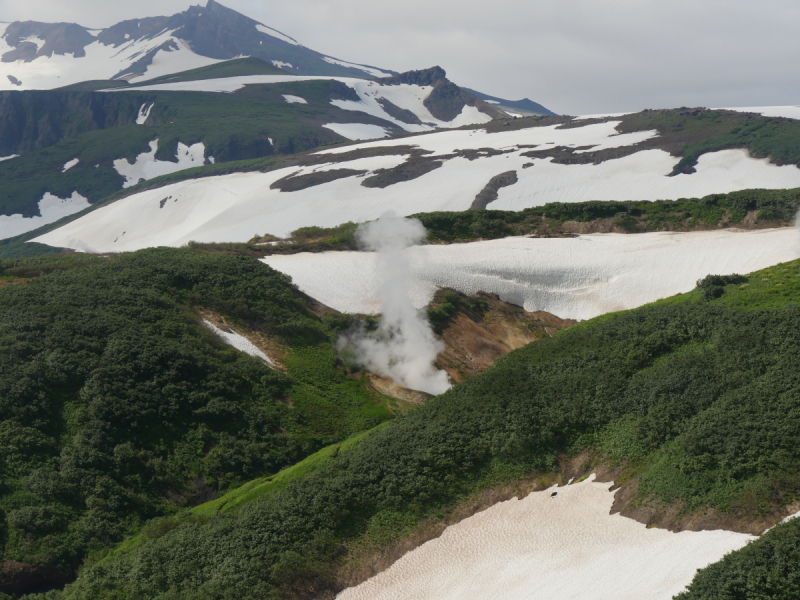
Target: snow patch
(574, 278)
(144, 113)
(788, 112)
(146, 167)
(281, 64)
(357, 131)
(51, 209)
(100, 62)
(368, 70)
(2, 158)
(70, 164)
(294, 99)
(557, 543)
(239, 342)
(276, 34)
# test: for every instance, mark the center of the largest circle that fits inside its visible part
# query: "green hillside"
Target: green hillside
(117, 405)
(696, 398)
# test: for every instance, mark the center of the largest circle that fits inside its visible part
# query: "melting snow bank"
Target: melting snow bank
(146, 166)
(544, 546)
(574, 278)
(144, 113)
(357, 131)
(51, 209)
(239, 342)
(2, 158)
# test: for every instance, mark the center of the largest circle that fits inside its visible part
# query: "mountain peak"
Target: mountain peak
(423, 77)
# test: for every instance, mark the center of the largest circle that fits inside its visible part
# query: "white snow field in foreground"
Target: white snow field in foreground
(239, 342)
(51, 209)
(147, 167)
(551, 547)
(573, 278)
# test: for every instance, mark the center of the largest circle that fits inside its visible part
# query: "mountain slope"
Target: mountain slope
(121, 398)
(691, 402)
(647, 156)
(46, 56)
(71, 148)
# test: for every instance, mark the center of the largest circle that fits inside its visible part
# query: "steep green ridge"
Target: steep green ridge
(118, 405)
(699, 398)
(768, 568)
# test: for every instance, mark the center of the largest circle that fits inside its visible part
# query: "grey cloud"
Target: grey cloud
(582, 56)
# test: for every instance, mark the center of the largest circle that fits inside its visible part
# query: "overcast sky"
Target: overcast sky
(573, 56)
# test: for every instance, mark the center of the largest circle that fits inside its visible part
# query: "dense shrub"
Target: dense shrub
(702, 397)
(117, 405)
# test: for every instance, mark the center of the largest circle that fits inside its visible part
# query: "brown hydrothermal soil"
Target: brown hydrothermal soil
(5, 282)
(474, 341)
(365, 561)
(19, 578)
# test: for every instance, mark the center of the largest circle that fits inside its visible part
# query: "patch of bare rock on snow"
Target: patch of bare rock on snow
(547, 546)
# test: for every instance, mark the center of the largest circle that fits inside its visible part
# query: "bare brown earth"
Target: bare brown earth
(475, 341)
(5, 282)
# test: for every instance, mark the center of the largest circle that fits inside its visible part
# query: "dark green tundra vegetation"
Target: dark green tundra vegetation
(117, 404)
(695, 398)
(747, 208)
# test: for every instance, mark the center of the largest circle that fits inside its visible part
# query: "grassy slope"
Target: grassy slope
(699, 398)
(117, 405)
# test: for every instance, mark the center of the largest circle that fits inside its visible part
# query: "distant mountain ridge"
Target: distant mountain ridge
(153, 46)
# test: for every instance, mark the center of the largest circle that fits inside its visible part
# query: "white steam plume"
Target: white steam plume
(403, 347)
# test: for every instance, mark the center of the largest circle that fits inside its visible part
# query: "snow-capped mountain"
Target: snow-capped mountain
(51, 55)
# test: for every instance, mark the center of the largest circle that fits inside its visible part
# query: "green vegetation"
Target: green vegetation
(448, 302)
(774, 207)
(117, 405)
(693, 132)
(698, 398)
(767, 568)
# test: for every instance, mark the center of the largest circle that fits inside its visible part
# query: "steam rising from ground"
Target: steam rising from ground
(403, 347)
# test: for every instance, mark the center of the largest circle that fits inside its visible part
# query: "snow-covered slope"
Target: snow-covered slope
(574, 278)
(51, 209)
(557, 543)
(449, 169)
(47, 56)
(372, 99)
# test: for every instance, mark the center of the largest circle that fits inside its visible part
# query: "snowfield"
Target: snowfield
(147, 167)
(573, 278)
(2, 158)
(358, 131)
(241, 343)
(294, 99)
(70, 164)
(548, 547)
(100, 62)
(51, 210)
